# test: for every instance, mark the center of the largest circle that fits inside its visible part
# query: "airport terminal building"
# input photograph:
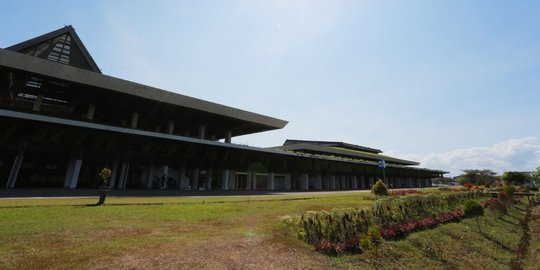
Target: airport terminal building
(62, 121)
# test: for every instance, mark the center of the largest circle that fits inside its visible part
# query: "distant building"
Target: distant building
(62, 121)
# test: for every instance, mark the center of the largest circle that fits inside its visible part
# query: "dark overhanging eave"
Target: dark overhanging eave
(81, 124)
(43, 67)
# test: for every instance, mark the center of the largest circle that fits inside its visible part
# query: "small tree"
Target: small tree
(473, 209)
(379, 188)
(517, 178)
(536, 175)
(105, 174)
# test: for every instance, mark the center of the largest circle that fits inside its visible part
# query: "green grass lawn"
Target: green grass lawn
(59, 236)
(226, 233)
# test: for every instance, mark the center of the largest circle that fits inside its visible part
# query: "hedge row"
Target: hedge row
(340, 225)
(392, 211)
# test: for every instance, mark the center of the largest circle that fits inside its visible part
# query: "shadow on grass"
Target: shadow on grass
(497, 242)
(508, 221)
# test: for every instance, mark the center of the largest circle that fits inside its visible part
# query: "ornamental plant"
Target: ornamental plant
(105, 174)
(468, 185)
(404, 192)
(473, 209)
(379, 188)
(369, 242)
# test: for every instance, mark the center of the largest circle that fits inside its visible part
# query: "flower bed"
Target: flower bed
(337, 231)
(421, 224)
(404, 192)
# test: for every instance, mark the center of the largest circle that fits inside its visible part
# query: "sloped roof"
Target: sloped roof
(335, 144)
(341, 149)
(62, 45)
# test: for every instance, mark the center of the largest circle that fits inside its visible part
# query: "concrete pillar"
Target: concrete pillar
(124, 173)
(209, 178)
(232, 180)
(166, 174)
(170, 127)
(114, 173)
(332, 182)
(254, 181)
(15, 168)
(195, 180)
(150, 177)
(225, 180)
(304, 181)
(72, 172)
(318, 182)
(37, 103)
(228, 136)
(91, 111)
(202, 130)
(354, 180)
(182, 178)
(288, 181)
(249, 179)
(134, 120)
(371, 181)
(362, 182)
(270, 181)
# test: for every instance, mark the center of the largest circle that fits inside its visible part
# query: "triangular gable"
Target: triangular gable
(63, 46)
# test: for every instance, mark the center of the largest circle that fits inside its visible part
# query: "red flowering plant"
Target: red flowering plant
(468, 185)
(404, 192)
(403, 229)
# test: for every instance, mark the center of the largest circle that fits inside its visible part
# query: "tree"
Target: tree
(517, 178)
(536, 175)
(478, 177)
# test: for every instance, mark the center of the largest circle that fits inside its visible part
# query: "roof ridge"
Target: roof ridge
(68, 29)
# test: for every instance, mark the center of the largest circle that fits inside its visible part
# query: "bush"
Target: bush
(504, 198)
(392, 211)
(509, 190)
(379, 188)
(472, 209)
(339, 230)
(335, 226)
(498, 208)
(371, 241)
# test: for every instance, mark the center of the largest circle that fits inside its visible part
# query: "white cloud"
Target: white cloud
(521, 154)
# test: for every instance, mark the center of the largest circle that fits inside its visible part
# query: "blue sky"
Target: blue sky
(453, 84)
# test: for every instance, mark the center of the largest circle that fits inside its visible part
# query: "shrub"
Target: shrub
(379, 188)
(339, 230)
(391, 211)
(335, 226)
(472, 208)
(498, 207)
(468, 185)
(504, 198)
(509, 190)
(328, 248)
(370, 241)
